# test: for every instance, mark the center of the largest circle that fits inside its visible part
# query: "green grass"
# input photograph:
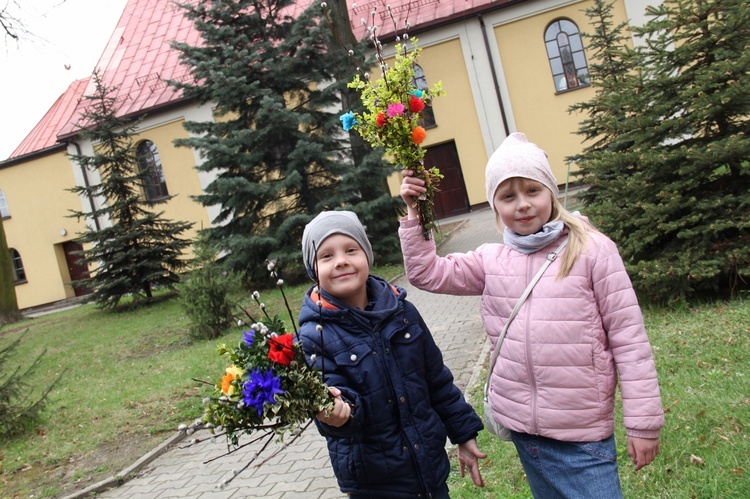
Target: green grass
(128, 385)
(702, 355)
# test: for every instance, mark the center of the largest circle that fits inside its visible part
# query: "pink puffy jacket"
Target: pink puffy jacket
(559, 363)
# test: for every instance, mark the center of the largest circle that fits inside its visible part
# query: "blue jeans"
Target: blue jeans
(579, 470)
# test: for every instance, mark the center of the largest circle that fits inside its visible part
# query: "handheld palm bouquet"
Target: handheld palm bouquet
(393, 110)
(267, 391)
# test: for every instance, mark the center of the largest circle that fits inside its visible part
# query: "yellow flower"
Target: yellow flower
(232, 373)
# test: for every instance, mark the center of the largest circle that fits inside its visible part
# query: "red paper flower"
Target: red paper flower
(418, 135)
(416, 104)
(281, 350)
(381, 119)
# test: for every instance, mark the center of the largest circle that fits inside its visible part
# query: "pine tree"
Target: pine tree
(9, 312)
(672, 187)
(139, 250)
(275, 146)
(20, 409)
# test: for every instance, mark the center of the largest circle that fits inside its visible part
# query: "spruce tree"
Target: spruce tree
(21, 407)
(673, 185)
(275, 146)
(138, 250)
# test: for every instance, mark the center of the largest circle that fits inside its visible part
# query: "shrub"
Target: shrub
(206, 294)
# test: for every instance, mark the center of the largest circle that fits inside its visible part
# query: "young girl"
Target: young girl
(553, 384)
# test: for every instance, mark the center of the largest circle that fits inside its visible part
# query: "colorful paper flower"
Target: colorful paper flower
(248, 336)
(418, 135)
(348, 120)
(416, 104)
(281, 350)
(230, 374)
(262, 387)
(381, 119)
(395, 109)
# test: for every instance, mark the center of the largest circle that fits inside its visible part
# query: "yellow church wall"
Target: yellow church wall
(178, 164)
(540, 112)
(38, 225)
(454, 114)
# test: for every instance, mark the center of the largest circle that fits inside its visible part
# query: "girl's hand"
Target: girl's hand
(468, 457)
(341, 410)
(411, 188)
(642, 451)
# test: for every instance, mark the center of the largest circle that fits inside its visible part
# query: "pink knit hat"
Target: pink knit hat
(517, 157)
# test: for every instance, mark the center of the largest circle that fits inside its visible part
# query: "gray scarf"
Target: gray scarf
(533, 242)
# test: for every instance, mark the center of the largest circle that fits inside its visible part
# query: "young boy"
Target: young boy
(395, 400)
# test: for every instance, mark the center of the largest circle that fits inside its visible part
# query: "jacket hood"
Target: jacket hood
(384, 298)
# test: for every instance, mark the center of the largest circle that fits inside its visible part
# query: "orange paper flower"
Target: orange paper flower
(230, 375)
(418, 135)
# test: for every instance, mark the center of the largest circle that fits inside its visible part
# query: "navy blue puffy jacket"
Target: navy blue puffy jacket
(386, 363)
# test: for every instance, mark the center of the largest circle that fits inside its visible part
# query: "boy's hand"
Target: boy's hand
(411, 188)
(341, 410)
(468, 456)
(642, 451)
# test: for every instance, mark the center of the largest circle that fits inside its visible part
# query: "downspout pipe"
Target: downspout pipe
(494, 74)
(87, 185)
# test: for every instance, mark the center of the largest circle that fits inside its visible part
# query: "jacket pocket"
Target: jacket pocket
(351, 361)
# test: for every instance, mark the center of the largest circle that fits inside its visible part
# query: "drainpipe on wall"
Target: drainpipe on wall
(494, 74)
(87, 185)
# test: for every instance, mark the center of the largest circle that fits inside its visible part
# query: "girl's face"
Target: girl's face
(343, 269)
(523, 205)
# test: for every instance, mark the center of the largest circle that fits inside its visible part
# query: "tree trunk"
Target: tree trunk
(9, 312)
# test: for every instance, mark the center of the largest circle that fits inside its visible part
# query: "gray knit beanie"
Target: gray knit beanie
(327, 224)
(517, 157)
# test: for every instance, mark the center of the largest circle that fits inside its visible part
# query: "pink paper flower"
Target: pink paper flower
(396, 109)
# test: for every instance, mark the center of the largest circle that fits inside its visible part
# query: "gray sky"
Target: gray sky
(34, 74)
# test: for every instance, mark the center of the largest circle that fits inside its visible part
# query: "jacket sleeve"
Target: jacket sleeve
(461, 421)
(331, 376)
(455, 274)
(643, 414)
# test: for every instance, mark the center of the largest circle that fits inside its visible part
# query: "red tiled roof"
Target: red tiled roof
(44, 134)
(139, 59)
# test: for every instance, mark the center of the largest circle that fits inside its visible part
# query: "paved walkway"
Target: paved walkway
(303, 470)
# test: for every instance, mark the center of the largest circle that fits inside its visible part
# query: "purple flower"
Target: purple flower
(262, 387)
(248, 336)
(348, 121)
(396, 109)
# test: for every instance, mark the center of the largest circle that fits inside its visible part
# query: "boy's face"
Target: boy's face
(343, 269)
(524, 205)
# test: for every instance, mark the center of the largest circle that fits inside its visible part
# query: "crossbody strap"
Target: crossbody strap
(550, 258)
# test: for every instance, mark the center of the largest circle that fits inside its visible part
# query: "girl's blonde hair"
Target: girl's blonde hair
(578, 230)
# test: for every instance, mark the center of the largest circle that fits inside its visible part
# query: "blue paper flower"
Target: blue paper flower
(348, 121)
(417, 93)
(248, 336)
(262, 387)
